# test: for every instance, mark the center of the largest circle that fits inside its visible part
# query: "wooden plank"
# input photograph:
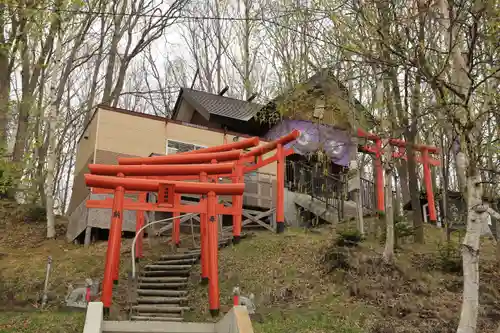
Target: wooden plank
(254, 211)
(257, 218)
(169, 226)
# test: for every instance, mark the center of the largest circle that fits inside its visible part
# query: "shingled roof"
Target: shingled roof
(218, 105)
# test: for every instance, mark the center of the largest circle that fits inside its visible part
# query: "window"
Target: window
(174, 147)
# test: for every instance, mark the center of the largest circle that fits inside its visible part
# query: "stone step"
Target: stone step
(144, 279)
(167, 267)
(178, 256)
(159, 315)
(171, 273)
(160, 285)
(156, 292)
(145, 318)
(161, 300)
(189, 261)
(160, 308)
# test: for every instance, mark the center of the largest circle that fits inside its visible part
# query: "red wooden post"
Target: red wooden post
(204, 237)
(428, 185)
(111, 268)
(87, 295)
(118, 231)
(139, 223)
(280, 192)
(237, 203)
(379, 172)
(213, 247)
(236, 296)
(176, 228)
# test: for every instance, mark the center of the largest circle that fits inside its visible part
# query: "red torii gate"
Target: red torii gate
(425, 159)
(169, 197)
(166, 203)
(240, 169)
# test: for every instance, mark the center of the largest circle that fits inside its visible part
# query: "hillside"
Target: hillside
(302, 282)
(23, 259)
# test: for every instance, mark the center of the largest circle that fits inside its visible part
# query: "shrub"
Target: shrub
(335, 258)
(349, 238)
(9, 178)
(449, 258)
(402, 230)
(34, 213)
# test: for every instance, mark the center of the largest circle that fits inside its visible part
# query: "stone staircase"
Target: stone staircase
(161, 293)
(161, 288)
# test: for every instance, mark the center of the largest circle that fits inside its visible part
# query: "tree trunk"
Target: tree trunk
(4, 81)
(51, 130)
(411, 136)
(354, 181)
(415, 191)
(470, 248)
(494, 214)
(4, 100)
(388, 255)
(398, 199)
(402, 167)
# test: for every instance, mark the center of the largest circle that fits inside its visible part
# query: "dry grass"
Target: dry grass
(41, 322)
(294, 293)
(290, 291)
(23, 259)
(285, 272)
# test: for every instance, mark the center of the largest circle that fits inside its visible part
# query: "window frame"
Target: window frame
(183, 142)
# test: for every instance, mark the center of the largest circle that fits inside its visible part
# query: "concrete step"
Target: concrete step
(170, 273)
(167, 285)
(156, 292)
(144, 279)
(161, 300)
(159, 308)
(178, 256)
(189, 261)
(146, 318)
(167, 267)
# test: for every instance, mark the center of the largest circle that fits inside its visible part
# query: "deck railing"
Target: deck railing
(312, 180)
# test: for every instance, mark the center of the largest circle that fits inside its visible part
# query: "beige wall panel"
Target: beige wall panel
(130, 134)
(86, 147)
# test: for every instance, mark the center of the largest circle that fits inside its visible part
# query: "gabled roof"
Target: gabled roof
(323, 81)
(217, 105)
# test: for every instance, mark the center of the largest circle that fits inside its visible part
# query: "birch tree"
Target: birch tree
(51, 129)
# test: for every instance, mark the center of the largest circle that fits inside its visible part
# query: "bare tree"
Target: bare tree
(147, 18)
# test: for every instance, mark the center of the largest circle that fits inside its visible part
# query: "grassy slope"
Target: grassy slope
(289, 288)
(23, 258)
(284, 272)
(293, 292)
(41, 322)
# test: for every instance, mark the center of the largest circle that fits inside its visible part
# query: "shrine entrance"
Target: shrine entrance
(423, 155)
